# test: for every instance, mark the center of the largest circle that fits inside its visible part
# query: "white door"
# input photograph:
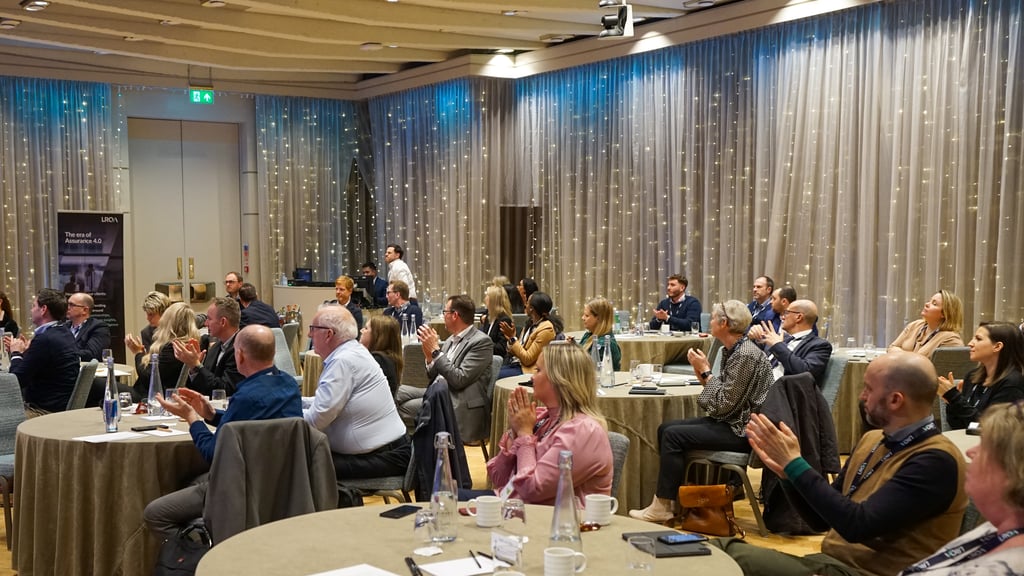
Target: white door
(185, 204)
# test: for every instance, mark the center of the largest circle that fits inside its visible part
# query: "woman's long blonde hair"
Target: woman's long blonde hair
(571, 373)
(498, 304)
(178, 322)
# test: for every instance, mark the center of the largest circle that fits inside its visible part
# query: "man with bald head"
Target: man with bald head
(266, 393)
(796, 349)
(353, 403)
(899, 497)
(91, 335)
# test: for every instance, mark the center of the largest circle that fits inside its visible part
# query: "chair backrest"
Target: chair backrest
(833, 378)
(86, 375)
(12, 411)
(955, 359)
(282, 353)
(496, 362)
(291, 336)
(716, 358)
(520, 321)
(620, 448)
(705, 322)
(267, 470)
(414, 372)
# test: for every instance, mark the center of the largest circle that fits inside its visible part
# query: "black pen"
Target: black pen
(473, 556)
(486, 555)
(413, 567)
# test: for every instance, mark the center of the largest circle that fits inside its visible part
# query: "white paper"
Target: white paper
(461, 567)
(166, 432)
(110, 437)
(357, 570)
(157, 418)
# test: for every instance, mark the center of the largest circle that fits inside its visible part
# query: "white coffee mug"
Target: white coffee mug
(665, 328)
(600, 508)
(487, 512)
(563, 562)
(646, 372)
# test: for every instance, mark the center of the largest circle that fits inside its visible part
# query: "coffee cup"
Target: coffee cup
(487, 511)
(600, 508)
(563, 562)
(646, 372)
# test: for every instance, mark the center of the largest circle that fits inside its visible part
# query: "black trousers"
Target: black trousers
(389, 460)
(677, 437)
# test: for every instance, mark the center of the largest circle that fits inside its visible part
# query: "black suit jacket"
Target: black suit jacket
(380, 291)
(811, 355)
(48, 369)
(92, 338)
(259, 312)
(213, 374)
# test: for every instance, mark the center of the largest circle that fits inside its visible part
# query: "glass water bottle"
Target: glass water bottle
(565, 524)
(155, 409)
(444, 497)
(111, 405)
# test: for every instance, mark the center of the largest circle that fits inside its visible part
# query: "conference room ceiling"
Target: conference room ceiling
(294, 42)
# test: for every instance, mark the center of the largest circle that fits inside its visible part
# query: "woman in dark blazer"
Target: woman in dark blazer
(497, 305)
(998, 348)
(7, 321)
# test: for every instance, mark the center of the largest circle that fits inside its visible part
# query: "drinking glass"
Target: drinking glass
(513, 514)
(107, 353)
(219, 398)
(424, 527)
(656, 372)
(634, 372)
(641, 553)
(694, 328)
(851, 342)
(125, 400)
(869, 347)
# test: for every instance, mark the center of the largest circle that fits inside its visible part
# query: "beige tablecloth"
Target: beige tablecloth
(312, 366)
(78, 506)
(963, 440)
(339, 538)
(656, 348)
(846, 411)
(638, 417)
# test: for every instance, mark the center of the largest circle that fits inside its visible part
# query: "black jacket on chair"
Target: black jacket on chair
(437, 415)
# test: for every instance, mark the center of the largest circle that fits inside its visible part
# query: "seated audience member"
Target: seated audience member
(380, 285)
(942, 319)
(383, 338)
(91, 335)
(515, 301)
(998, 348)
(899, 496)
(399, 303)
(154, 305)
(526, 287)
(796, 349)
(353, 405)
(781, 299)
(254, 310)
(47, 366)
(232, 284)
(526, 465)
(677, 310)
(7, 321)
(343, 286)
(265, 393)
(597, 320)
(177, 323)
(761, 306)
(498, 311)
(540, 329)
(729, 400)
(215, 368)
(995, 483)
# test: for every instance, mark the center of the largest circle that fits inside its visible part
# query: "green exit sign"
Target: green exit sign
(200, 95)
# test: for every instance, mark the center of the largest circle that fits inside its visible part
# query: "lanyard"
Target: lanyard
(923, 432)
(981, 546)
(926, 340)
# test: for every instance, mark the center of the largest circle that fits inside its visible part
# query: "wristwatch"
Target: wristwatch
(435, 353)
(705, 375)
(512, 341)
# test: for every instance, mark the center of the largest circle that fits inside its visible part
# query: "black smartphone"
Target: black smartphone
(144, 428)
(656, 392)
(400, 511)
(682, 538)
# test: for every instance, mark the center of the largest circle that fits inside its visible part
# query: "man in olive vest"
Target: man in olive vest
(897, 500)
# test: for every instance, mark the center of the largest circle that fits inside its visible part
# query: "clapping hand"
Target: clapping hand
(946, 384)
(522, 413)
(188, 404)
(429, 340)
(507, 329)
(188, 353)
(769, 336)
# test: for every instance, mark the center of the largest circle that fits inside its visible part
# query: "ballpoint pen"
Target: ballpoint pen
(473, 556)
(413, 567)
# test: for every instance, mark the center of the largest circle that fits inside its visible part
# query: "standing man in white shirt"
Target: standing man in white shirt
(398, 269)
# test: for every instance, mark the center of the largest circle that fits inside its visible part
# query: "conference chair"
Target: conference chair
(687, 370)
(12, 413)
(496, 362)
(283, 355)
(291, 336)
(833, 378)
(955, 359)
(86, 375)
(718, 461)
(387, 487)
(620, 449)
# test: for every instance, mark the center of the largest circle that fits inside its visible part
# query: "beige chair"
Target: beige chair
(620, 449)
(86, 375)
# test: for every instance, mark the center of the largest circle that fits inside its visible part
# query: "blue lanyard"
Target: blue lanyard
(861, 476)
(981, 546)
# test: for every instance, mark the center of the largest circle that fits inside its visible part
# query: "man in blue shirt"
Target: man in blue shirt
(265, 393)
(678, 310)
(761, 306)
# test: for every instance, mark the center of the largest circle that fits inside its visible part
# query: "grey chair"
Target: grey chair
(291, 336)
(496, 362)
(12, 413)
(620, 448)
(283, 355)
(687, 370)
(86, 375)
(717, 461)
(705, 322)
(414, 373)
(833, 378)
(520, 321)
(955, 359)
(387, 487)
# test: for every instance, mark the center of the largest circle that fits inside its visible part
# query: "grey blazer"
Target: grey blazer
(468, 373)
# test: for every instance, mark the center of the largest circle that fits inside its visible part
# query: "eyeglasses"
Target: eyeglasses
(73, 305)
(784, 312)
(447, 311)
(316, 327)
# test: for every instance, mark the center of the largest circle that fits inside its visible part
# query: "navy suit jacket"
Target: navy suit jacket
(680, 316)
(380, 291)
(766, 315)
(48, 369)
(811, 355)
(92, 338)
(259, 312)
(413, 309)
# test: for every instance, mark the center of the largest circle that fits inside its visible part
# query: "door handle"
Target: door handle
(179, 267)
(191, 268)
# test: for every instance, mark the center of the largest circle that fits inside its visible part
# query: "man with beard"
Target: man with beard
(896, 500)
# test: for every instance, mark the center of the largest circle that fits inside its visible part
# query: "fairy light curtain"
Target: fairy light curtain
(55, 139)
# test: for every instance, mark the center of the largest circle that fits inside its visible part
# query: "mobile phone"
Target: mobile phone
(400, 511)
(144, 428)
(681, 538)
(656, 392)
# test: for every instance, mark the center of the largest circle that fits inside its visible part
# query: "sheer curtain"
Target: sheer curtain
(55, 143)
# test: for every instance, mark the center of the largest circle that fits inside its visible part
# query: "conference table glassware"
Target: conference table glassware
(656, 348)
(335, 539)
(635, 416)
(78, 505)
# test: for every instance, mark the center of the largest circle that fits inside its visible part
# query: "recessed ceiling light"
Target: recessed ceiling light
(393, 1)
(169, 22)
(9, 23)
(34, 5)
(212, 3)
(370, 46)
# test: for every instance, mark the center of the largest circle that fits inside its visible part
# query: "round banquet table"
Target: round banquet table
(963, 440)
(78, 506)
(656, 348)
(846, 411)
(335, 539)
(636, 416)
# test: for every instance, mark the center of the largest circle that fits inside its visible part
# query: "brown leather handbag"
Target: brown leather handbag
(708, 510)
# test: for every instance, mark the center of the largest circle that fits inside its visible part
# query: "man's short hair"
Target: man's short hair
(401, 287)
(55, 302)
(227, 308)
(345, 281)
(247, 293)
(155, 302)
(768, 280)
(787, 292)
(339, 319)
(397, 248)
(257, 341)
(679, 278)
(463, 305)
(736, 314)
(369, 265)
(238, 277)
